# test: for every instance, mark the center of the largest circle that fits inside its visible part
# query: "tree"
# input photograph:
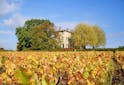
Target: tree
(100, 35)
(87, 35)
(36, 34)
(83, 35)
(92, 37)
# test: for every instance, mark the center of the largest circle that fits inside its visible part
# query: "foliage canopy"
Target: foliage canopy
(36, 34)
(87, 35)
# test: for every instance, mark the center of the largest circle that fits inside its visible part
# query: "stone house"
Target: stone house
(65, 38)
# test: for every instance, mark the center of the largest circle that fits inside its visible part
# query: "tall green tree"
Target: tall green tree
(36, 34)
(100, 34)
(92, 41)
(83, 35)
(88, 35)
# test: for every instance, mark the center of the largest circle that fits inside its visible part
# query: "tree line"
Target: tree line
(37, 34)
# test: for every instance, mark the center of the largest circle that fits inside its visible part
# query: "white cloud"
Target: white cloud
(115, 35)
(8, 32)
(7, 7)
(15, 21)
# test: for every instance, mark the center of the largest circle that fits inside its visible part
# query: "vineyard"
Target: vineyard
(59, 68)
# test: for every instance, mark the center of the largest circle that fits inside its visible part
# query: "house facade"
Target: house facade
(65, 38)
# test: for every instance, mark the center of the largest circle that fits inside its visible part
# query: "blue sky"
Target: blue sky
(108, 14)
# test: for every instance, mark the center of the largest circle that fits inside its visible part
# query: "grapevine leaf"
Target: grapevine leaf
(44, 82)
(86, 75)
(22, 77)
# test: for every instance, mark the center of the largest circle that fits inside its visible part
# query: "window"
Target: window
(62, 45)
